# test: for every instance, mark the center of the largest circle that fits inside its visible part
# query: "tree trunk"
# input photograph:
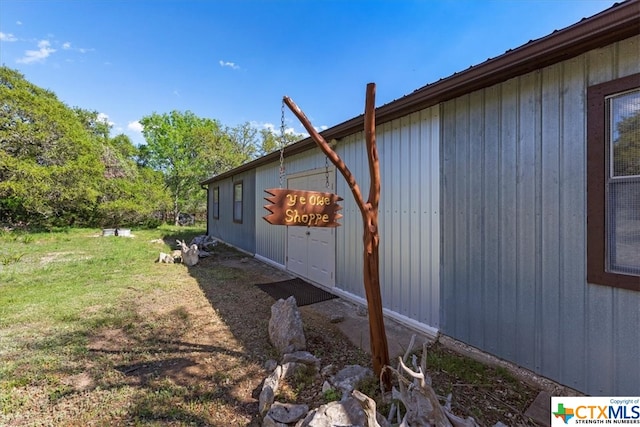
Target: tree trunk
(371, 237)
(176, 212)
(377, 333)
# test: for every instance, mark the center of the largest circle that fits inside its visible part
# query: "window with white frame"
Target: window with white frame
(237, 202)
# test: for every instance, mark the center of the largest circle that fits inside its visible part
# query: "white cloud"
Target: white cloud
(269, 126)
(231, 65)
(135, 126)
(7, 37)
(289, 130)
(18, 22)
(104, 118)
(44, 50)
(276, 130)
(634, 105)
(67, 46)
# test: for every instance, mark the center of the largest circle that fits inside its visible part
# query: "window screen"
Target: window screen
(237, 202)
(623, 186)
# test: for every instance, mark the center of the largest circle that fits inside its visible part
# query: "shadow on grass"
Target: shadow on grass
(228, 280)
(189, 351)
(186, 234)
(212, 379)
(165, 379)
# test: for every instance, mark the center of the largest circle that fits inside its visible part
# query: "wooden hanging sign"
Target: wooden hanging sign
(302, 208)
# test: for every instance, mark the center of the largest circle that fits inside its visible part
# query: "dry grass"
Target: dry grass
(92, 332)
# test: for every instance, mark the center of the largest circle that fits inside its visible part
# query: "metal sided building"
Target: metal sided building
(509, 211)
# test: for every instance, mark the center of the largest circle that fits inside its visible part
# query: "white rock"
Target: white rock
(269, 390)
(285, 326)
(349, 376)
(287, 412)
(267, 421)
(301, 357)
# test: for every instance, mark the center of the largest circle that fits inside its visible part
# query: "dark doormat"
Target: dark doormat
(304, 293)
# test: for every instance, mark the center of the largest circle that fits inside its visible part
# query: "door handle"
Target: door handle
(308, 233)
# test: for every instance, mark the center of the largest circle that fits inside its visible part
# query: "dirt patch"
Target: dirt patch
(63, 257)
(80, 382)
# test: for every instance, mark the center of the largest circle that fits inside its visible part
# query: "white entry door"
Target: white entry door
(311, 250)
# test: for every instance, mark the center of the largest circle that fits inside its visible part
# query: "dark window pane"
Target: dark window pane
(237, 202)
(216, 202)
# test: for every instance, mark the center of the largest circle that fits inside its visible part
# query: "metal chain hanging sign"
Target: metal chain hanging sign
(300, 207)
(283, 142)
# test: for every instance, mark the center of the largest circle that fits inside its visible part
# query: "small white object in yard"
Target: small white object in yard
(165, 258)
(189, 253)
(177, 256)
(122, 232)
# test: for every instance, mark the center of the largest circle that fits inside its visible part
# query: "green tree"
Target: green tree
(90, 119)
(50, 169)
(186, 149)
(130, 195)
(136, 201)
(270, 141)
(133, 195)
(116, 153)
(243, 142)
(59, 165)
(626, 149)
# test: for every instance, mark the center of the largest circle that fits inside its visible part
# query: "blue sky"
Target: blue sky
(234, 60)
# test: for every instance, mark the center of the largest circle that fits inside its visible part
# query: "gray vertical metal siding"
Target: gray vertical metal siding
(242, 235)
(349, 234)
(409, 214)
(514, 229)
(270, 239)
(408, 150)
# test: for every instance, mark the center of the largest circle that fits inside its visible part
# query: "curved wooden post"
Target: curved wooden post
(371, 237)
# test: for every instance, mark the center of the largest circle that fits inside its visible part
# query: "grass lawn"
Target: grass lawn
(94, 332)
(79, 313)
